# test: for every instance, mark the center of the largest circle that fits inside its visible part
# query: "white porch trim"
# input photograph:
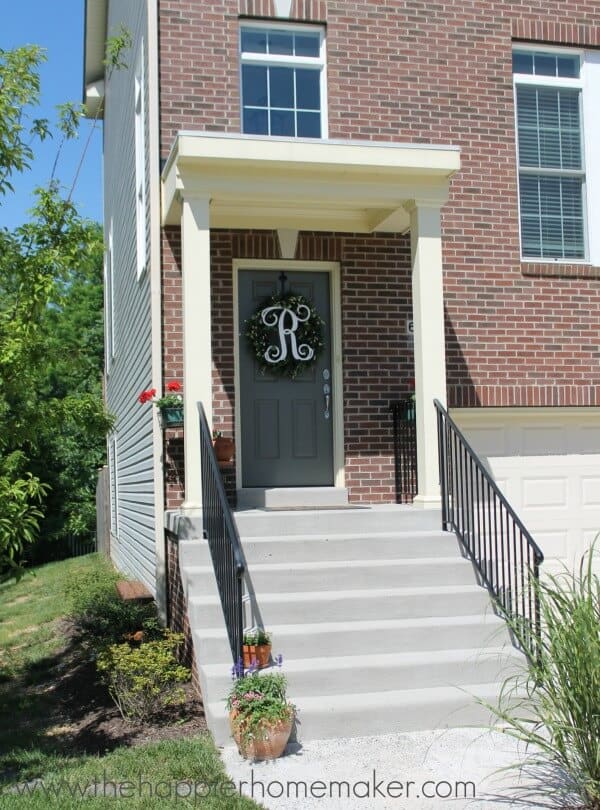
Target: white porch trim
(197, 350)
(429, 342)
(239, 181)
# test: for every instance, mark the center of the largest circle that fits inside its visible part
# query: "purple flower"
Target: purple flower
(279, 660)
(237, 670)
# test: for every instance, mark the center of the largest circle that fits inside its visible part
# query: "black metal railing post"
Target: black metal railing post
(505, 554)
(405, 449)
(221, 533)
(443, 462)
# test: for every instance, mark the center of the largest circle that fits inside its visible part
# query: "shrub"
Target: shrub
(557, 708)
(144, 680)
(100, 614)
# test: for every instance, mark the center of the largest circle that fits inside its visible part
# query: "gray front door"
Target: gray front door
(287, 434)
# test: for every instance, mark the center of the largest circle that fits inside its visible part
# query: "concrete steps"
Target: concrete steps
(329, 546)
(346, 574)
(385, 672)
(347, 637)
(372, 713)
(380, 621)
(352, 605)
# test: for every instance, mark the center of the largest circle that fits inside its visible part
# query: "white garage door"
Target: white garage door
(547, 463)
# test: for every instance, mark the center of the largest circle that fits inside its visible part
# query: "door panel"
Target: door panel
(304, 428)
(266, 433)
(287, 438)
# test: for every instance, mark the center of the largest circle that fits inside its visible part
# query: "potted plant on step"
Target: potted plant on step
(256, 648)
(170, 406)
(224, 447)
(260, 715)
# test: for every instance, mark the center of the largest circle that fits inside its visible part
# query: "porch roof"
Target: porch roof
(322, 185)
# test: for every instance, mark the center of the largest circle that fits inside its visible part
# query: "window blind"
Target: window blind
(551, 170)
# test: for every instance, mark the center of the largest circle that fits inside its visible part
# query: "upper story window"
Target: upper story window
(283, 80)
(551, 153)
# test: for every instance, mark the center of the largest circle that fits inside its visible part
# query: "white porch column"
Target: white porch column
(197, 353)
(430, 354)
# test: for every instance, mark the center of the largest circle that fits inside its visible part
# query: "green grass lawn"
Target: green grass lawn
(34, 658)
(30, 614)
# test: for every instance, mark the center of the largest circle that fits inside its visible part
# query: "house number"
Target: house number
(287, 322)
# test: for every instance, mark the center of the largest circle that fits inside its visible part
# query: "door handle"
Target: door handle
(327, 402)
(327, 393)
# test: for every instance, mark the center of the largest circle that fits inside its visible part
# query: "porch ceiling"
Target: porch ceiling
(259, 182)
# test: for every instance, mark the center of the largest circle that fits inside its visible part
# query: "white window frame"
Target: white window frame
(140, 162)
(590, 72)
(284, 60)
(109, 302)
(587, 83)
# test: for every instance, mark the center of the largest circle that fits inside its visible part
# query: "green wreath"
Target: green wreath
(299, 348)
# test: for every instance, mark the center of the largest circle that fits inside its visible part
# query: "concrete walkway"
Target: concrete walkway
(413, 770)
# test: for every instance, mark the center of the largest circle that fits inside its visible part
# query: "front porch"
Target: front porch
(367, 214)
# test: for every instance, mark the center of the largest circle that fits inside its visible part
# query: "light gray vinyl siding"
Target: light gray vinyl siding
(133, 545)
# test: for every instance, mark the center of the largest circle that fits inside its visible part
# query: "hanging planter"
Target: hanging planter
(170, 406)
(171, 416)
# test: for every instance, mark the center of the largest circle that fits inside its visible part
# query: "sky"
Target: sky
(57, 26)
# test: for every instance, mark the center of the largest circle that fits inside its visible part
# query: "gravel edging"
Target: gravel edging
(434, 761)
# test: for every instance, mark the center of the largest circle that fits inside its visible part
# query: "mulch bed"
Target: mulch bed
(82, 717)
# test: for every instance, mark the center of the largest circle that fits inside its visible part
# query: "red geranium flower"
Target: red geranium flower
(173, 386)
(146, 396)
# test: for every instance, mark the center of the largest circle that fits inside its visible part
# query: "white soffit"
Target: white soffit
(259, 182)
(94, 43)
(94, 96)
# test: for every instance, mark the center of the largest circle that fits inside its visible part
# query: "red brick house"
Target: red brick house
(427, 175)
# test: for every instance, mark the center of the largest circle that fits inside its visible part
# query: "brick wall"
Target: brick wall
(303, 10)
(172, 319)
(517, 333)
(377, 354)
(177, 618)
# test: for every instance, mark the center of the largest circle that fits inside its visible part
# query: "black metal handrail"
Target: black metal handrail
(223, 540)
(405, 449)
(504, 553)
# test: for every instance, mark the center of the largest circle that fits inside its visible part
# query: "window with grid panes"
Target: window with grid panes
(283, 80)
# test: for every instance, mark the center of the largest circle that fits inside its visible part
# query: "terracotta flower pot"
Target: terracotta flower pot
(261, 653)
(224, 448)
(269, 742)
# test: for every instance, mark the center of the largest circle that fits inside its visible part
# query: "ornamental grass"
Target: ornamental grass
(555, 708)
